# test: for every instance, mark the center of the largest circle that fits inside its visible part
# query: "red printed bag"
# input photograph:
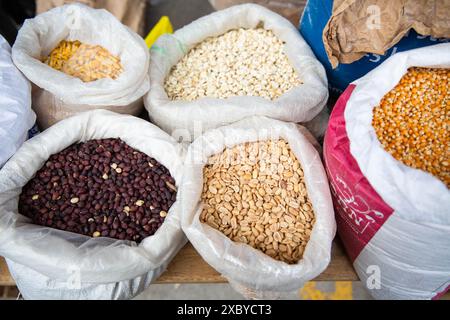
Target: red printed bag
(394, 220)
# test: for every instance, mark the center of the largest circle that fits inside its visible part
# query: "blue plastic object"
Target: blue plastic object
(315, 17)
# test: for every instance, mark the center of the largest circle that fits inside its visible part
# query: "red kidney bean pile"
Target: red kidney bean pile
(100, 188)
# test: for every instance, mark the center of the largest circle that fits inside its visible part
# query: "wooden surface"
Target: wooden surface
(5, 277)
(189, 267)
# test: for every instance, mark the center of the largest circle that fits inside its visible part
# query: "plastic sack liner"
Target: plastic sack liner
(250, 271)
(190, 119)
(16, 116)
(393, 219)
(59, 95)
(45, 261)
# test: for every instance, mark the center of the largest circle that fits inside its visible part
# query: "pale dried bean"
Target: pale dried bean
(276, 220)
(249, 62)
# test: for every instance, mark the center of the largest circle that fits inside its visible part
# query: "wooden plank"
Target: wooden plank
(9, 293)
(189, 267)
(340, 267)
(5, 278)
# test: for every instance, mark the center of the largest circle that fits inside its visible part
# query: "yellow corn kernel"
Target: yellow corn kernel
(86, 62)
(412, 121)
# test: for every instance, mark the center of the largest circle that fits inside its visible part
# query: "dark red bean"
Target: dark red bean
(74, 195)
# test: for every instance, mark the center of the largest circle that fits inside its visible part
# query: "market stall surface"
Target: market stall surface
(189, 276)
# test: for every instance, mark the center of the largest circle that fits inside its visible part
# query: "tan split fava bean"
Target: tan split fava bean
(279, 221)
(243, 62)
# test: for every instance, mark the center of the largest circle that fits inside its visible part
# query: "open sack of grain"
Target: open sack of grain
(387, 157)
(239, 62)
(84, 215)
(257, 205)
(107, 63)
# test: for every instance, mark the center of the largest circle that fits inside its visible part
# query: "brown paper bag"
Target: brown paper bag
(357, 27)
(129, 12)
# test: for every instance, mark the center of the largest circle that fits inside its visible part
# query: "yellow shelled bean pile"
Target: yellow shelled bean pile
(86, 62)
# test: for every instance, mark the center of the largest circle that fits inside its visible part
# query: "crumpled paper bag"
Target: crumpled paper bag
(357, 27)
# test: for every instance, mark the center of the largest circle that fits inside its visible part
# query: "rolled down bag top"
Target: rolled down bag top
(61, 95)
(43, 260)
(300, 104)
(16, 116)
(394, 220)
(250, 271)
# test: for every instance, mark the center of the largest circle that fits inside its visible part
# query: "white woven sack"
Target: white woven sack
(411, 248)
(190, 119)
(52, 264)
(58, 95)
(16, 116)
(250, 271)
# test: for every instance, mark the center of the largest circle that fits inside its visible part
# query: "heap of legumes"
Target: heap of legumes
(86, 62)
(255, 193)
(100, 188)
(242, 62)
(412, 121)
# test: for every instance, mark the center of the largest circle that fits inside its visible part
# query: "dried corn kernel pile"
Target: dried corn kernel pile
(412, 121)
(255, 193)
(86, 62)
(244, 62)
